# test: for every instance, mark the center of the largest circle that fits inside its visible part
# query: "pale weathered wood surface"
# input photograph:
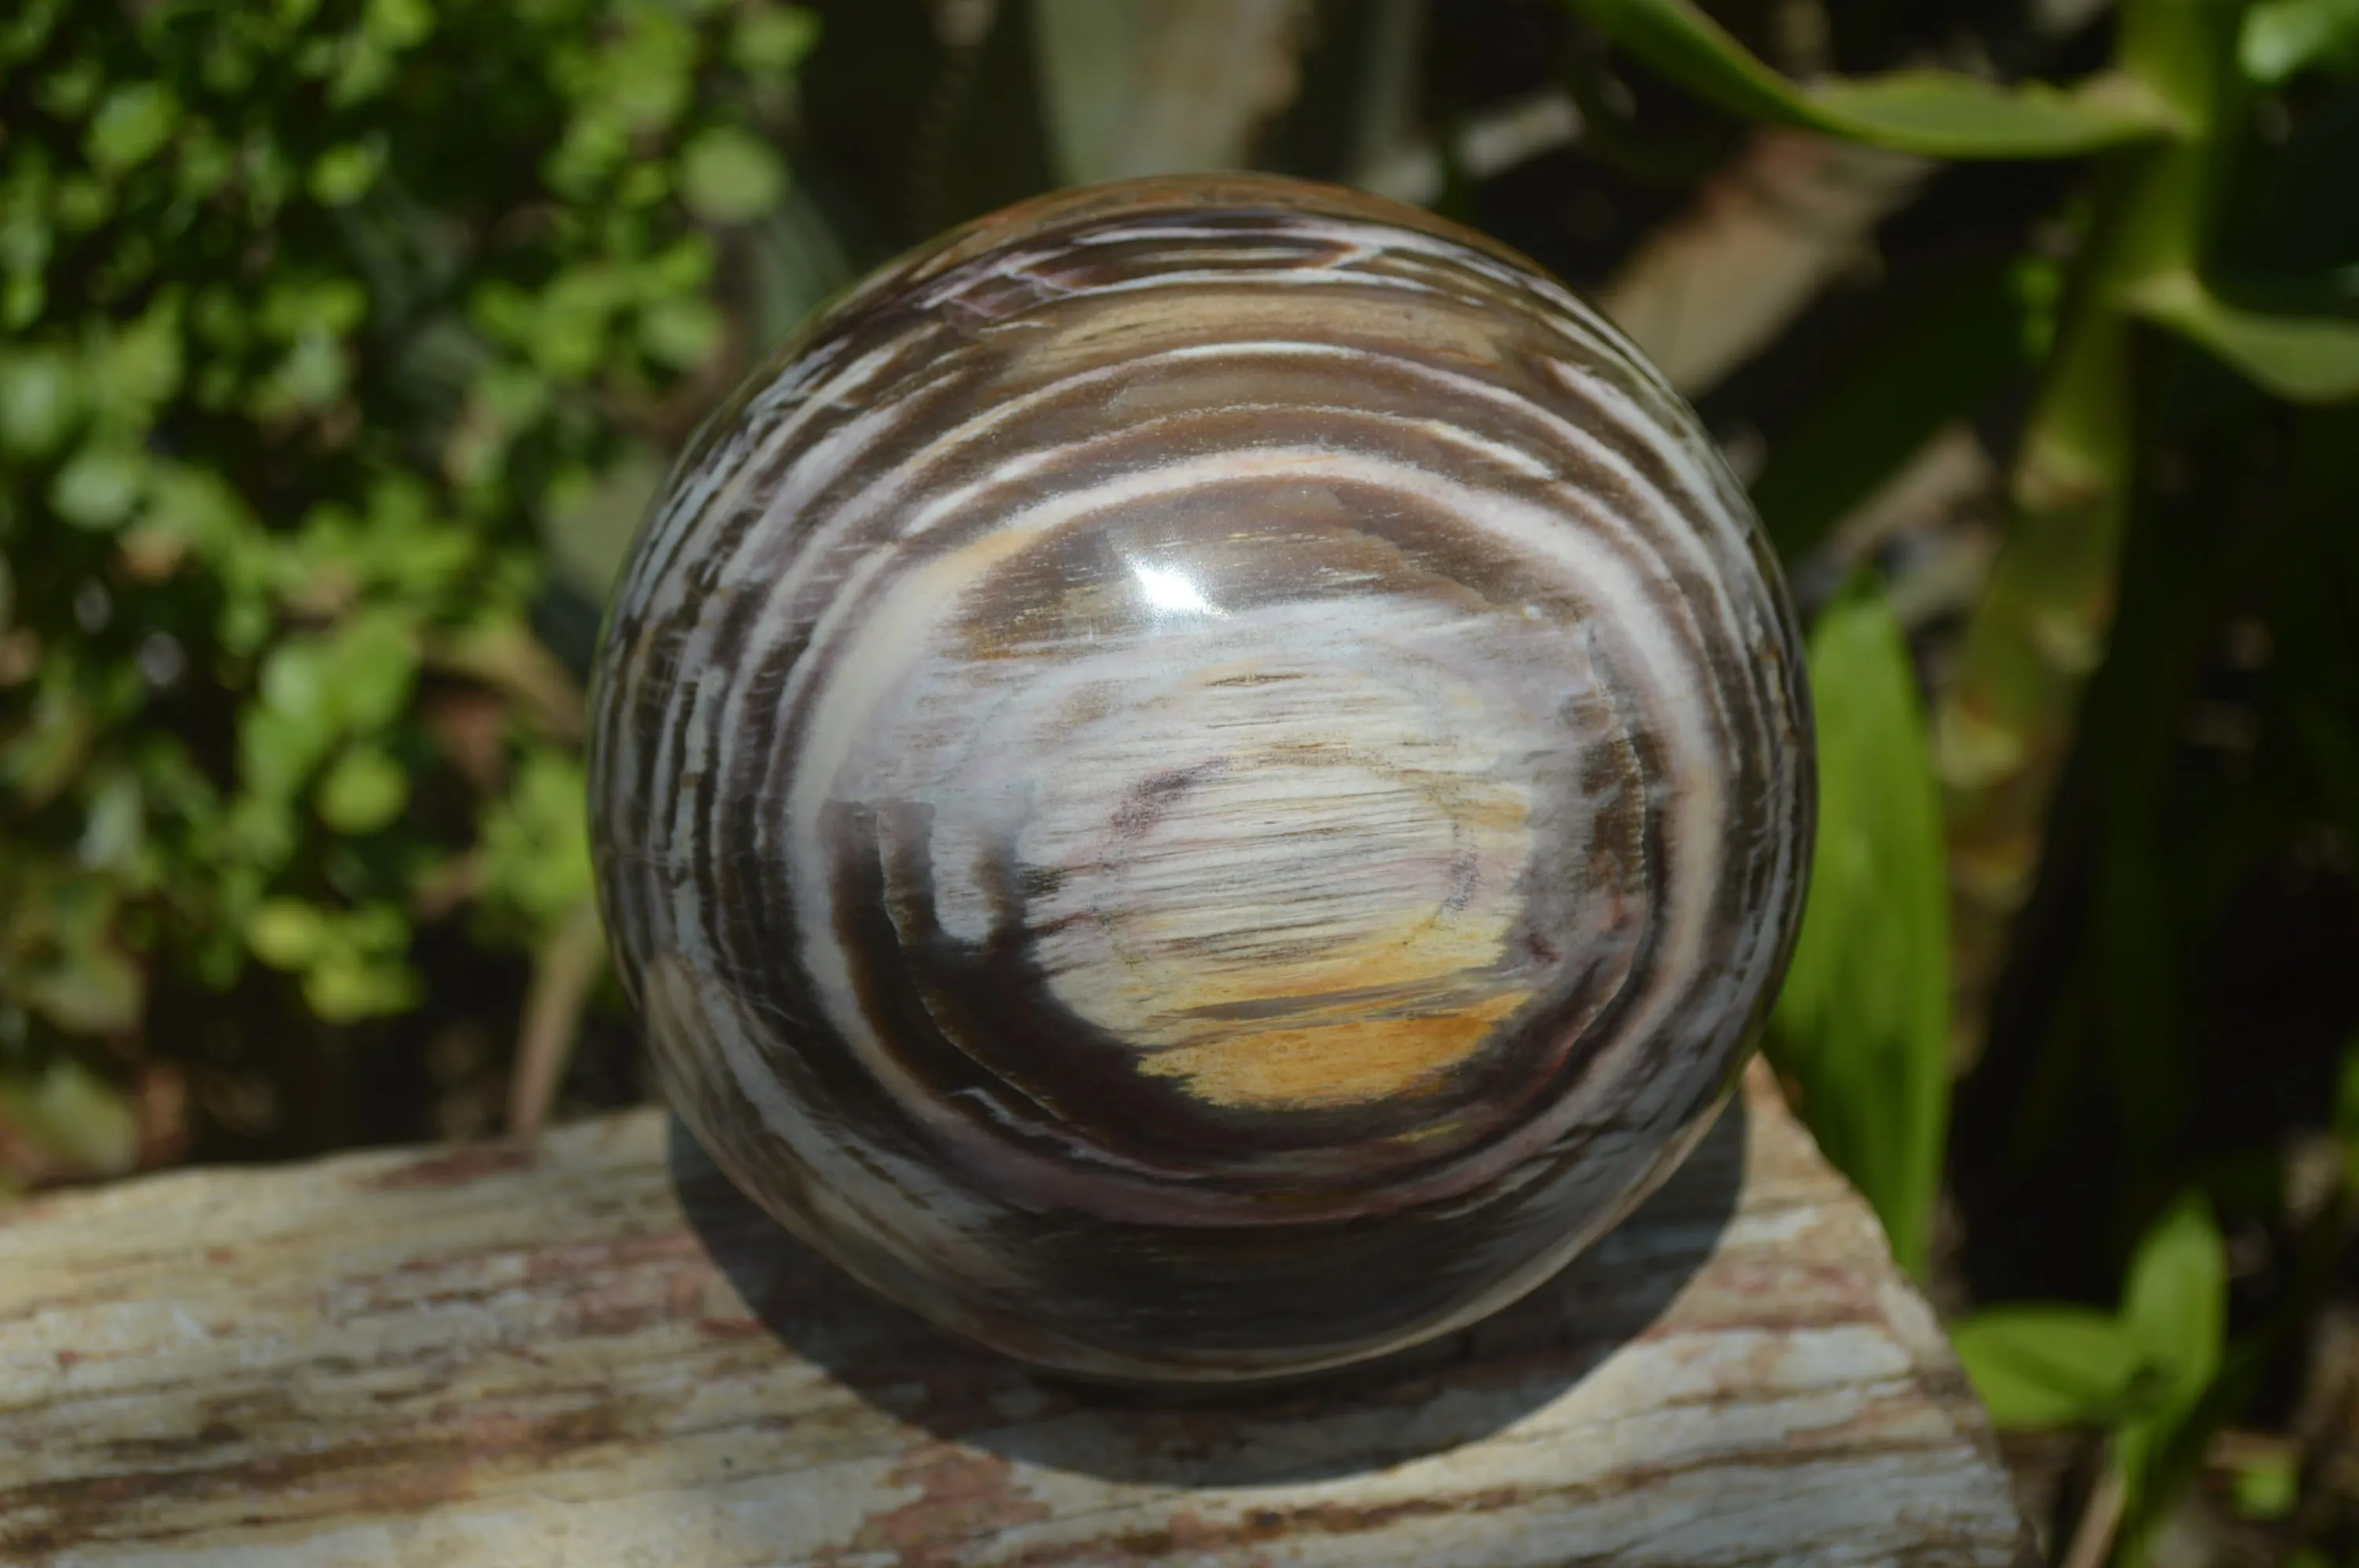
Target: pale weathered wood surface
(481, 1357)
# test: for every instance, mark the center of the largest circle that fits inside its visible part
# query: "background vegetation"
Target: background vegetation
(341, 343)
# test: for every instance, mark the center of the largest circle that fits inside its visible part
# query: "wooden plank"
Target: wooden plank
(597, 1355)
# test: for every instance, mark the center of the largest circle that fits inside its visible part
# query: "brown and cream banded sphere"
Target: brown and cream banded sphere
(1201, 780)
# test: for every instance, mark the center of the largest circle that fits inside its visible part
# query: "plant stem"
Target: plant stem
(2093, 1537)
(2006, 723)
(564, 969)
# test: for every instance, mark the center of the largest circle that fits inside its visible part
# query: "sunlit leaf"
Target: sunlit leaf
(1862, 1023)
(348, 985)
(343, 174)
(678, 333)
(286, 932)
(2282, 37)
(139, 366)
(2268, 1488)
(2052, 1365)
(38, 399)
(297, 308)
(398, 24)
(360, 966)
(311, 376)
(646, 73)
(131, 124)
(773, 39)
(373, 666)
(536, 841)
(729, 176)
(363, 792)
(98, 486)
(295, 509)
(1938, 113)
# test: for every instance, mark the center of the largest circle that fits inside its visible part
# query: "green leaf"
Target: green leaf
(295, 308)
(205, 163)
(360, 970)
(2175, 1304)
(680, 334)
(2043, 1366)
(22, 34)
(1937, 114)
(136, 367)
(568, 322)
(729, 176)
(21, 300)
(344, 175)
(535, 843)
(772, 41)
(363, 792)
(286, 932)
(684, 266)
(39, 400)
(1862, 1025)
(67, 90)
(351, 961)
(317, 691)
(347, 987)
(398, 24)
(2301, 358)
(131, 125)
(98, 486)
(2283, 38)
(647, 75)
(198, 510)
(2267, 1488)
(373, 666)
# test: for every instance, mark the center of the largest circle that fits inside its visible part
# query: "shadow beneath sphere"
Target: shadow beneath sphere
(1435, 1396)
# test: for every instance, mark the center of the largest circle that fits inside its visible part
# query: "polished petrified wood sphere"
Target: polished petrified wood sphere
(1202, 779)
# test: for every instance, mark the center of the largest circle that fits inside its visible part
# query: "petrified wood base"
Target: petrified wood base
(598, 1355)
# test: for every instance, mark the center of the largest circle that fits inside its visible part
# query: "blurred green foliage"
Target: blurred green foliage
(341, 343)
(316, 314)
(2091, 863)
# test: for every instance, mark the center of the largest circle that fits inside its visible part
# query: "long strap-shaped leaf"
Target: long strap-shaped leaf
(1861, 1026)
(1938, 113)
(2309, 357)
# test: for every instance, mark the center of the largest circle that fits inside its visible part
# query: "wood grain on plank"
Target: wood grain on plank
(596, 1355)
